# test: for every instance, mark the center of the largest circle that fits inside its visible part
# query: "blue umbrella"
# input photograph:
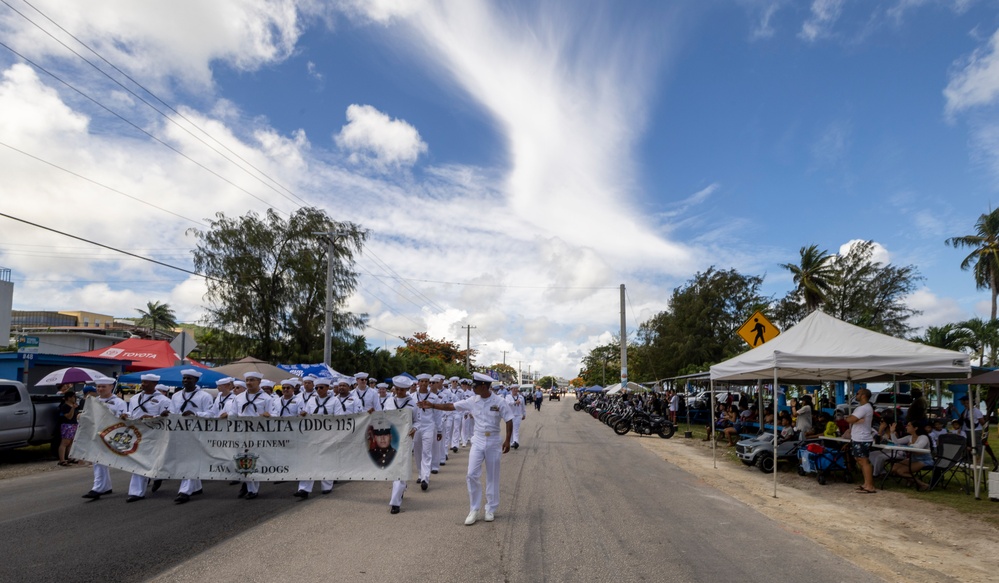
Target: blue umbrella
(171, 376)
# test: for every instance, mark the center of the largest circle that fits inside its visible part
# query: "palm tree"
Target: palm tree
(984, 257)
(981, 335)
(813, 275)
(157, 315)
(949, 337)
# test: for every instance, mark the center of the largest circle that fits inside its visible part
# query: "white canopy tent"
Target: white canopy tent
(822, 348)
(632, 387)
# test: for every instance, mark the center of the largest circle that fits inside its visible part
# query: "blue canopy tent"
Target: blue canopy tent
(318, 370)
(171, 376)
(593, 389)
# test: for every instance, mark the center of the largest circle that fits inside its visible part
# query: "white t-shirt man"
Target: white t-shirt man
(861, 430)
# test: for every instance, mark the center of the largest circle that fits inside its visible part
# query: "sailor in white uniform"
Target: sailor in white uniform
(439, 457)
(286, 405)
(106, 397)
(468, 421)
(401, 400)
(224, 386)
(383, 394)
(490, 412)
(145, 405)
(321, 404)
(367, 398)
(253, 403)
(519, 409)
(191, 401)
(307, 393)
(344, 403)
(428, 430)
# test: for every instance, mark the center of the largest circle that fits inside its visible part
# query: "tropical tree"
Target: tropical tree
(547, 382)
(157, 315)
(983, 260)
(267, 276)
(813, 275)
(981, 337)
(949, 337)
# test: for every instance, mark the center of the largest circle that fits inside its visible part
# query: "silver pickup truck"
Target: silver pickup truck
(27, 419)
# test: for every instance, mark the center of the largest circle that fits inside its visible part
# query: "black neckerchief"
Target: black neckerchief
(323, 405)
(284, 406)
(142, 404)
(187, 401)
(396, 400)
(362, 395)
(343, 402)
(382, 401)
(251, 402)
(223, 400)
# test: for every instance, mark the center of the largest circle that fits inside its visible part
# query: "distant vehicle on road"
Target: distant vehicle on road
(555, 394)
(27, 419)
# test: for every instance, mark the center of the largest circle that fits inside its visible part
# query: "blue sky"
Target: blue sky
(529, 155)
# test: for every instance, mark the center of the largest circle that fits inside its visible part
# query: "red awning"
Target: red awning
(144, 354)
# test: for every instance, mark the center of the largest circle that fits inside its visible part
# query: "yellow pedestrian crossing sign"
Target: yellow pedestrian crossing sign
(758, 330)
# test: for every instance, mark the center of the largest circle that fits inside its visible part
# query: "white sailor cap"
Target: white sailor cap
(453, 379)
(310, 377)
(402, 381)
(266, 383)
(381, 386)
(361, 375)
(295, 381)
(191, 372)
(252, 374)
(288, 382)
(224, 381)
(423, 377)
(465, 382)
(322, 382)
(163, 388)
(478, 377)
(381, 427)
(239, 383)
(150, 377)
(104, 381)
(437, 378)
(350, 381)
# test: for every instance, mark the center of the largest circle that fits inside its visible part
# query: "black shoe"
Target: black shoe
(182, 499)
(443, 464)
(454, 450)
(95, 495)
(433, 471)
(424, 485)
(301, 494)
(157, 484)
(134, 499)
(251, 495)
(242, 491)
(325, 492)
(197, 492)
(395, 510)
(515, 445)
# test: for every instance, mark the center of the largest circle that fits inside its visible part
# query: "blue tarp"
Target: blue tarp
(593, 389)
(170, 376)
(317, 370)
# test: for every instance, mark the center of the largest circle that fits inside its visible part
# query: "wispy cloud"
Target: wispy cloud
(975, 80)
(824, 14)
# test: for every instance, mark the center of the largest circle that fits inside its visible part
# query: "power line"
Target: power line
(151, 106)
(134, 125)
(13, 218)
(496, 285)
(92, 181)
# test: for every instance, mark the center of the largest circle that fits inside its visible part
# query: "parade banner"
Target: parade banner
(363, 446)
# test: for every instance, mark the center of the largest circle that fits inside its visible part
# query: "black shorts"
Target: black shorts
(860, 449)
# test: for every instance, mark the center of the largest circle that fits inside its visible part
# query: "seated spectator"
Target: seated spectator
(839, 418)
(956, 427)
(738, 426)
(787, 430)
(916, 437)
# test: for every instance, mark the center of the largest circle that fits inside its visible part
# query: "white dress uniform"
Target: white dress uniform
(282, 407)
(250, 405)
(319, 406)
(447, 394)
(140, 406)
(439, 456)
(303, 399)
(221, 401)
(102, 475)
(519, 410)
(428, 425)
(367, 399)
(467, 421)
(201, 404)
(392, 404)
(490, 414)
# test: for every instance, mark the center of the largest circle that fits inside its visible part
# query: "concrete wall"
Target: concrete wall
(6, 305)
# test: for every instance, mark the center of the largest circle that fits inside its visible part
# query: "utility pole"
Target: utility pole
(520, 374)
(468, 345)
(624, 345)
(504, 356)
(331, 237)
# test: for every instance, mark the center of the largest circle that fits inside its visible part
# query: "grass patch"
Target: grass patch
(952, 497)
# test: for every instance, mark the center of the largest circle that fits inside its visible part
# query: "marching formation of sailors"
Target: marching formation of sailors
(447, 414)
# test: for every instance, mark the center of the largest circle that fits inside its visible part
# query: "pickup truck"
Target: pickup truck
(27, 419)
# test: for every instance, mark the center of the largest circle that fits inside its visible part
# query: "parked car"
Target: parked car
(27, 419)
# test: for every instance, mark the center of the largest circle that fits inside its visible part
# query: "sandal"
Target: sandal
(63, 463)
(865, 491)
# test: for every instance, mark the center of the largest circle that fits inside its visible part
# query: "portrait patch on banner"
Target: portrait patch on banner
(121, 439)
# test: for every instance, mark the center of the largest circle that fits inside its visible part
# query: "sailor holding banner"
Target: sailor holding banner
(428, 429)
(400, 401)
(322, 404)
(105, 396)
(191, 401)
(145, 405)
(253, 403)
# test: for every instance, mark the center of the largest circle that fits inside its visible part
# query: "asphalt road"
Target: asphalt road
(578, 503)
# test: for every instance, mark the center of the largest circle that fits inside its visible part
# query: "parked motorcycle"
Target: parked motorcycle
(644, 423)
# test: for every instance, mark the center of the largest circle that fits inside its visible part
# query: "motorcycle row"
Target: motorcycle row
(623, 415)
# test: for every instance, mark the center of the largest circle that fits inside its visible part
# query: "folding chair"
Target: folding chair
(950, 453)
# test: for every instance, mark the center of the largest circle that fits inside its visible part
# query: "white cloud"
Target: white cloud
(764, 27)
(375, 139)
(824, 14)
(878, 254)
(975, 81)
(165, 42)
(936, 311)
